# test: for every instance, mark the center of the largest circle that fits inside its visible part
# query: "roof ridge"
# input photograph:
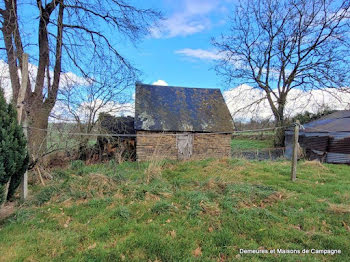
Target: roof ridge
(201, 88)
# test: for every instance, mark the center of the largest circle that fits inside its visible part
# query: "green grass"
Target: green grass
(238, 143)
(60, 137)
(190, 211)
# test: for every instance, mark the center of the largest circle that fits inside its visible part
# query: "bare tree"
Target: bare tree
(280, 45)
(81, 101)
(71, 35)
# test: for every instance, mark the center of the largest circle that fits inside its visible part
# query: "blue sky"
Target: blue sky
(180, 51)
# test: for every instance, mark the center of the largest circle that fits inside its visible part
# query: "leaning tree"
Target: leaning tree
(280, 45)
(66, 35)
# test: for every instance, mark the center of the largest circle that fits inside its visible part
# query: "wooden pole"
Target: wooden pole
(21, 117)
(295, 151)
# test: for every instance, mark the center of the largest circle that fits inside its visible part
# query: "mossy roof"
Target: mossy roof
(169, 108)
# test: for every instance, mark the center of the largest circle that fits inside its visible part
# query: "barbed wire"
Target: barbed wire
(156, 135)
(165, 133)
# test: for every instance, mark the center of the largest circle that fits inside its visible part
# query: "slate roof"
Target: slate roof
(168, 108)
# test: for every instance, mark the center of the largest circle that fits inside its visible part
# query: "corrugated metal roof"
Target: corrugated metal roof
(336, 122)
(338, 158)
(168, 108)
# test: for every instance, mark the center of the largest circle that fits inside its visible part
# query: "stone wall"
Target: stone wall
(154, 145)
(211, 146)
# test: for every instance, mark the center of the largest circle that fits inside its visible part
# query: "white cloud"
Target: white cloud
(61, 113)
(191, 17)
(67, 79)
(200, 54)
(160, 83)
(246, 102)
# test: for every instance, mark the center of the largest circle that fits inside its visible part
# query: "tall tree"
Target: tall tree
(71, 34)
(279, 45)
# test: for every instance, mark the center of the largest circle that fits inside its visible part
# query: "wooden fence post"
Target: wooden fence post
(295, 151)
(22, 118)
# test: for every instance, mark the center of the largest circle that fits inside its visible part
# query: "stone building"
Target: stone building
(181, 123)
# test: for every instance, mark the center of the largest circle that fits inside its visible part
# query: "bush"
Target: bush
(307, 117)
(13, 150)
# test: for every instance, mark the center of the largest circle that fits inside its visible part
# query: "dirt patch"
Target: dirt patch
(7, 210)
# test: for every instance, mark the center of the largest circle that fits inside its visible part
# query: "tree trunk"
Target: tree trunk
(37, 138)
(278, 112)
(5, 193)
(279, 124)
(279, 134)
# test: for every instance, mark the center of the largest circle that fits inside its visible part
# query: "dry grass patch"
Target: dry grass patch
(273, 198)
(151, 197)
(153, 171)
(314, 164)
(210, 208)
(339, 208)
(7, 210)
(119, 195)
(215, 185)
(100, 184)
(94, 185)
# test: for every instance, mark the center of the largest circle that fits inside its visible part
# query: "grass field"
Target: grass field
(188, 211)
(246, 143)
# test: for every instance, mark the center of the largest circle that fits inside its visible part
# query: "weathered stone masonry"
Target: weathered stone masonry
(211, 146)
(155, 145)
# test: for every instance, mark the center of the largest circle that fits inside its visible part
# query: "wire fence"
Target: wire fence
(69, 142)
(66, 143)
(252, 144)
(165, 133)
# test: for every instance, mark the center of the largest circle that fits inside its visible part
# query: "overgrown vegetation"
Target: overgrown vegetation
(13, 150)
(307, 116)
(194, 211)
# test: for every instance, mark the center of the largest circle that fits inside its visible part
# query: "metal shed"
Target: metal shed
(326, 139)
